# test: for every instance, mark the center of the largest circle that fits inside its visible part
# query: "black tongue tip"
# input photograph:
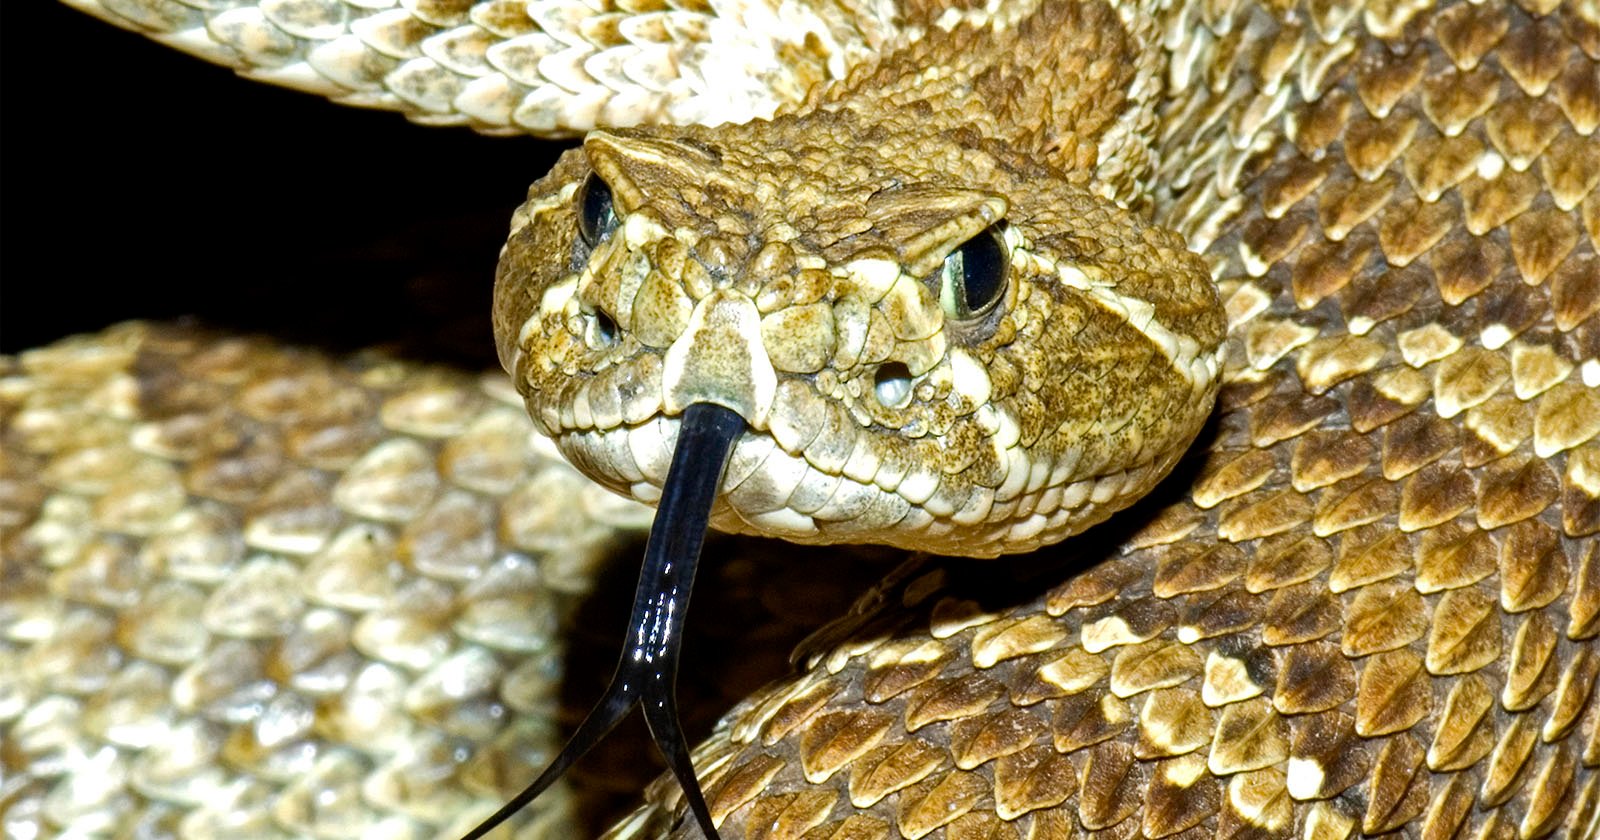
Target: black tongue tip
(647, 671)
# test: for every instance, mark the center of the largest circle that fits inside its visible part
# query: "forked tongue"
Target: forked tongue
(647, 672)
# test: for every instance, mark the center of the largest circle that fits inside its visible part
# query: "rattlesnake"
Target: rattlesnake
(1367, 605)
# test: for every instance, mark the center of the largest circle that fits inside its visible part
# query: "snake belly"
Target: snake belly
(1370, 607)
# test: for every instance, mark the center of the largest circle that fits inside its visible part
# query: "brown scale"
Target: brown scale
(1375, 611)
(1372, 611)
(338, 587)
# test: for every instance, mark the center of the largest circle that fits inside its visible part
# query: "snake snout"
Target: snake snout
(720, 359)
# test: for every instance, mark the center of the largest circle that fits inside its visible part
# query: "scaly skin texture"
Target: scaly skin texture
(251, 591)
(782, 268)
(1366, 605)
(551, 68)
(254, 591)
(1372, 607)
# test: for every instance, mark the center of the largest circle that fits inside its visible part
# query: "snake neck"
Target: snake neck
(1069, 84)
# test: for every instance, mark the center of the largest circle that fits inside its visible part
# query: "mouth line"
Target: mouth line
(765, 489)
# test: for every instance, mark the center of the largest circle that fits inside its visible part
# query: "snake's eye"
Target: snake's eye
(973, 278)
(596, 217)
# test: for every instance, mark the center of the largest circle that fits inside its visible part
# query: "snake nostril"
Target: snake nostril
(605, 330)
(892, 385)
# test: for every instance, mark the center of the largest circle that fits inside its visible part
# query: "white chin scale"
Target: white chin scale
(769, 492)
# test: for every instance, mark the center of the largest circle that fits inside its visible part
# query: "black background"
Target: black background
(138, 182)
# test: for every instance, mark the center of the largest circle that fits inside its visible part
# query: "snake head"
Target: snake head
(935, 343)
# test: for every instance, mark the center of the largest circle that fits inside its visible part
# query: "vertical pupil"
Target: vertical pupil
(982, 270)
(595, 216)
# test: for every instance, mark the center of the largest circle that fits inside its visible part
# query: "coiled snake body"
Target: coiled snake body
(1365, 604)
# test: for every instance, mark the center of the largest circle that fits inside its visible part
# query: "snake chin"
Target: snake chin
(879, 494)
